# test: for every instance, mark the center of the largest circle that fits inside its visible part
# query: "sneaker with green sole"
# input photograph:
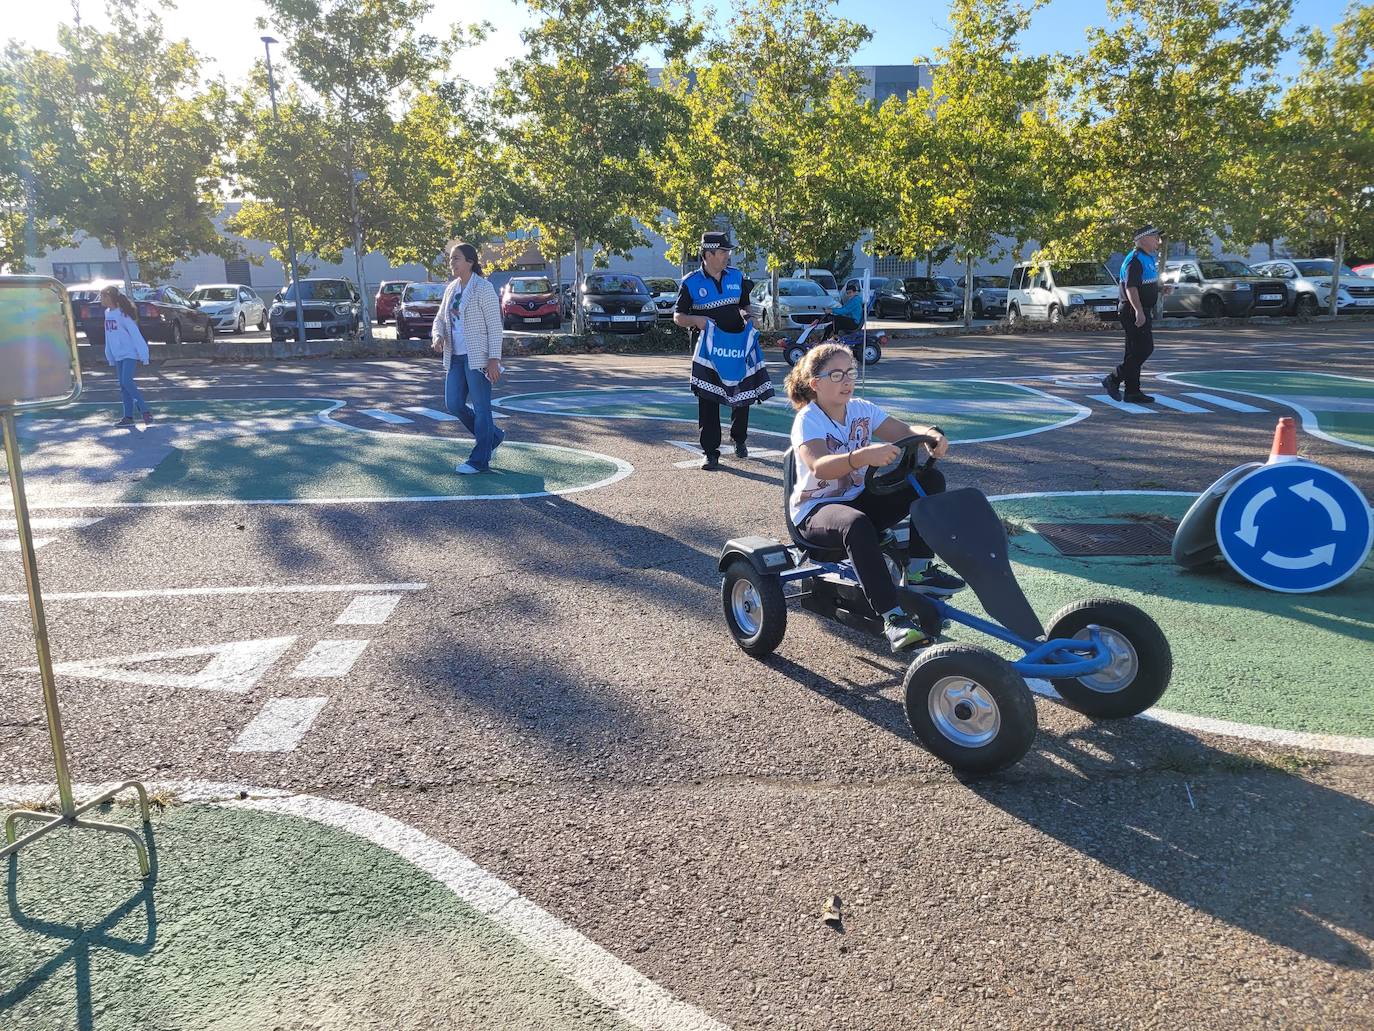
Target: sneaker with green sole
(934, 580)
(903, 635)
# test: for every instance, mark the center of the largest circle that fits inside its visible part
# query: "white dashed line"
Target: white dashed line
(330, 658)
(38, 542)
(280, 726)
(192, 592)
(53, 522)
(368, 610)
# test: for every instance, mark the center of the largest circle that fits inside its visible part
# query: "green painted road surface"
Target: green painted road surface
(262, 919)
(1339, 408)
(968, 410)
(1242, 654)
(284, 450)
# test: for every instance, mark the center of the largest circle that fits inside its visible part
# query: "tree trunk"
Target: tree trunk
(930, 263)
(1333, 303)
(124, 268)
(968, 291)
(773, 319)
(579, 316)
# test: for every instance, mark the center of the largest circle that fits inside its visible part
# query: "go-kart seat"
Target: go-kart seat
(789, 483)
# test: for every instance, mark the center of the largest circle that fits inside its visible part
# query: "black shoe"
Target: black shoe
(741, 451)
(1112, 386)
(711, 463)
(934, 580)
(1140, 399)
(126, 421)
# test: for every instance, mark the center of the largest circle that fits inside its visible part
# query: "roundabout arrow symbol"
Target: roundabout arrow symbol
(1309, 491)
(1323, 556)
(1249, 528)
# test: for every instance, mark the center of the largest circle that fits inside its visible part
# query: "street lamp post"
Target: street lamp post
(267, 42)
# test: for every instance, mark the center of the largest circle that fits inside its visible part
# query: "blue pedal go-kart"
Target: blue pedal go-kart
(867, 347)
(968, 705)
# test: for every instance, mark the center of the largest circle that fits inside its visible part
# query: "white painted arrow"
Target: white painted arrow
(1249, 529)
(234, 667)
(1309, 491)
(1323, 556)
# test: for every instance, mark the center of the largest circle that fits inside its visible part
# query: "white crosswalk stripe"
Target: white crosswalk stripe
(44, 523)
(432, 413)
(382, 415)
(1125, 406)
(1165, 401)
(1223, 402)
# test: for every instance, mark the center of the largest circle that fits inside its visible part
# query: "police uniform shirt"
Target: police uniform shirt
(1140, 270)
(715, 298)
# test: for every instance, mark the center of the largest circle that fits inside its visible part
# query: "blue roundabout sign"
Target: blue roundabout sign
(1295, 527)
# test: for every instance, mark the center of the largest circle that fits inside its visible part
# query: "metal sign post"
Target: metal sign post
(38, 369)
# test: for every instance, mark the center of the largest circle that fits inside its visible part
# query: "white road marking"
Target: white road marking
(368, 610)
(330, 658)
(193, 592)
(234, 667)
(1181, 406)
(38, 542)
(53, 522)
(280, 726)
(382, 415)
(1125, 406)
(432, 413)
(1223, 402)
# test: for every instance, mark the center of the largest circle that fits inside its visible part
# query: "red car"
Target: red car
(1364, 270)
(419, 305)
(530, 301)
(388, 297)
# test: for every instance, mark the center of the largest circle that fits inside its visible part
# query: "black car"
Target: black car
(616, 302)
(919, 297)
(876, 286)
(332, 309)
(164, 313)
(87, 311)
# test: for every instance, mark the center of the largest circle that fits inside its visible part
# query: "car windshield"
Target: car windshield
(1320, 267)
(662, 286)
(825, 279)
(393, 288)
(1223, 269)
(616, 285)
(216, 293)
(143, 293)
(1083, 273)
(943, 283)
(799, 288)
(990, 282)
(424, 292)
(319, 290)
(531, 286)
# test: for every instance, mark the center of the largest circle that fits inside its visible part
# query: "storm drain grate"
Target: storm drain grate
(1150, 537)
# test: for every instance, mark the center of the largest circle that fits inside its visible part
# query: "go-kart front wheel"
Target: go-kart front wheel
(969, 708)
(794, 353)
(1141, 665)
(868, 354)
(755, 609)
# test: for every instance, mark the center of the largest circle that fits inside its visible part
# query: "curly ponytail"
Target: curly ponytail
(798, 382)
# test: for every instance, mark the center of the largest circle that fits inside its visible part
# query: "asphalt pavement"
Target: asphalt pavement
(278, 594)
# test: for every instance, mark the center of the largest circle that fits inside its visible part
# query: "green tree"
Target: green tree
(580, 120)
(125, 139)
(1327, 122)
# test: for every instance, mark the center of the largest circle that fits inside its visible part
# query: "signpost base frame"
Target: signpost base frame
(52, 821)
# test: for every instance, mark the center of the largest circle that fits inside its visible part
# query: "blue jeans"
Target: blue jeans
(463, 387)
(128, 392)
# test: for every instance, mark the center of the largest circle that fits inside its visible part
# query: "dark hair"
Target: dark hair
(798, 382)
(121, 302)
(470, 252)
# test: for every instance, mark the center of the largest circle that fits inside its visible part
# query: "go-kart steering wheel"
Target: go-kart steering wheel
(887, 479)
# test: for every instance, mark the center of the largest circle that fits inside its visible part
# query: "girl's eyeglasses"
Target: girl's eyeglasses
(841, 375)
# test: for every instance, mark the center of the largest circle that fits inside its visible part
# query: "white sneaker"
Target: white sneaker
(466, 470)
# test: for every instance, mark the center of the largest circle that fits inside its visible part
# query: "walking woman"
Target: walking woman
(124, 349)
(468, 332)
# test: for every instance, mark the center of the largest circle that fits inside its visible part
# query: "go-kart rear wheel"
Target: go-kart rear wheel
(1141, 666)
(868, 354)
(794, 353)
(969, 708)
(755, 609)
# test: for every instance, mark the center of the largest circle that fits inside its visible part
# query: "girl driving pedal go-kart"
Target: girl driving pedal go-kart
(865, 510)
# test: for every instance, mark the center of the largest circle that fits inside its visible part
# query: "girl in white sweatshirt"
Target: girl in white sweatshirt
(124, 349)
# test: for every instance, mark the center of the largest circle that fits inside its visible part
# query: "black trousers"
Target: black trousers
(1140, 344)
(844, 324)
(708, 422)
(856, 525)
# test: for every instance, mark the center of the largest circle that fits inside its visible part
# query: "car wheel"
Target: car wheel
(1014, 314)
(977, 308)
(175, 338)
(209, 332)
(1212, 308)
(241, 324)
(262, 322)
(1306, 305)
(1056, 315)
(910, 313)
(402, 330)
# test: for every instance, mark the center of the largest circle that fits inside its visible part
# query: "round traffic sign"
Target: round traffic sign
(1295, 527)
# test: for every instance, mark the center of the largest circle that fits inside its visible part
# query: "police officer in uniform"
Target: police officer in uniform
(717, 292)
(1139, 293)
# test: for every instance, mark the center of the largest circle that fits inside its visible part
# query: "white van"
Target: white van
(1053, 293)
(824, 277)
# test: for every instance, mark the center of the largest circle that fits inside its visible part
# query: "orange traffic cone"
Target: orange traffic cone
(1285, 447)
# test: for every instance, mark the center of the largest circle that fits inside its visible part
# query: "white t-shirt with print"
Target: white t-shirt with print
(455, 320)
(861, 418)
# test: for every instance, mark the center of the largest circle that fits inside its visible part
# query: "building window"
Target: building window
(87, 271)
(240, 272)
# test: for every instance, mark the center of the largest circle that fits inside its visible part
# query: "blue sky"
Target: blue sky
(225, 32)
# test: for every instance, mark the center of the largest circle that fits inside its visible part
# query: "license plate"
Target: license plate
(314, 325)
(534, 320)
(946, 307)
(1364, 300)
(622, 318)
(1271, 297)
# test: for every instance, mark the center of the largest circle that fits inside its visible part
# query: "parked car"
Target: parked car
(569, 293)
(87, 311)
(231, 307)
(1364, 270)
(332, 309)
(530, 301)
(1053, 293)
(1216, 288)
(920, 297)
(989, 296)
(617, 302)
(1310, 281)
(800, 302)
(665, 294)
(388, 298)
(415, 312)
(824, 278)
(167, 314)
(876, 285)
